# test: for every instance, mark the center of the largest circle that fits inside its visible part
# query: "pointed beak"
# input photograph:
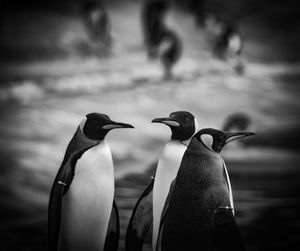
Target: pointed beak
(115, 125)
(167, 121)
(231, 136)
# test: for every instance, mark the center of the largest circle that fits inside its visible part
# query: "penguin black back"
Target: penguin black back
(237, 121)
(192, 220)
(190, 208)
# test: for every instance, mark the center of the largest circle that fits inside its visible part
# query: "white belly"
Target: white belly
(167, 168)
(87, 205)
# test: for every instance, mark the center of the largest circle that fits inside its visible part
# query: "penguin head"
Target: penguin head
(182, 124)
(96, 125)
(215, 140)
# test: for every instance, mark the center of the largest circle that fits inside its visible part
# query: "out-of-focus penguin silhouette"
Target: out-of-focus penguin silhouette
(153, 24)
(237, 122)
(160, 41)
(97, 22)
(227, 42)
(169, 52)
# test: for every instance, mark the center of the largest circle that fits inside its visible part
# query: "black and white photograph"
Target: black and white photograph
(149, 125)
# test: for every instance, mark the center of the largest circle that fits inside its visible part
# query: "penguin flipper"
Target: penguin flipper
(164, 213)
(113, 231)
(54, 216)
(140, 221)
(226, 234)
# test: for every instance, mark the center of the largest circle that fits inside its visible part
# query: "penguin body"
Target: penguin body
(153, 15)
(200, 214)
(183, 125)
(226, 40)
(170, 50)
(94, 178)
(166, 172)
(97, 22)
(161, 42)
(82, 213)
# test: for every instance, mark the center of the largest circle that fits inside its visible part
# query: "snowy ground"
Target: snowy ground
(43, 102)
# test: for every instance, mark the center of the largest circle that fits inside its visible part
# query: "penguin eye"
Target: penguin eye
(207, 140)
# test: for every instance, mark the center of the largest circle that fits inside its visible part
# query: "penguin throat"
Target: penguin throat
(185, 142)
(181, 134)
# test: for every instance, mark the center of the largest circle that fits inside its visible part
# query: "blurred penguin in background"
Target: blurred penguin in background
(153, 24)
(170, 50)
(227, 42)
(238, 121)
(148, 208)
(97, 22)
(199, 211)
(161, 42)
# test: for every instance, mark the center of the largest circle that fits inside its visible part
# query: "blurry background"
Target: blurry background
(52, 74)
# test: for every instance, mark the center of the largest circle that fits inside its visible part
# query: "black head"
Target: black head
(183, 124)
(215, 140)
(96, 125)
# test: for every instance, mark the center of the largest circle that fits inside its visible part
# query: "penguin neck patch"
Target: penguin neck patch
(196, 125)
(82, 124)
(207, 141)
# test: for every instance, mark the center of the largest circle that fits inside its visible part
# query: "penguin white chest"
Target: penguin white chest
(167, 168)
(88, 203)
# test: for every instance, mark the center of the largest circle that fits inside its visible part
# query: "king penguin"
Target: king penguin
(161, 42)
(97, 22)
(199, 214)
(150, 205)
(169, 52)
(82, 214)
(226, 39)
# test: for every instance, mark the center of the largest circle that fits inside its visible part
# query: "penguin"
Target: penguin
(153, 24)
(238, 121)
(97, 22)
(200, 213)
(227, 41)
(82, 214)
(150, 205)
(170, 50)
(161, 42)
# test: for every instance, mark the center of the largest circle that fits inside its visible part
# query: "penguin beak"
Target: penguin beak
(166, 121)
(114, 125)
(231, 136)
